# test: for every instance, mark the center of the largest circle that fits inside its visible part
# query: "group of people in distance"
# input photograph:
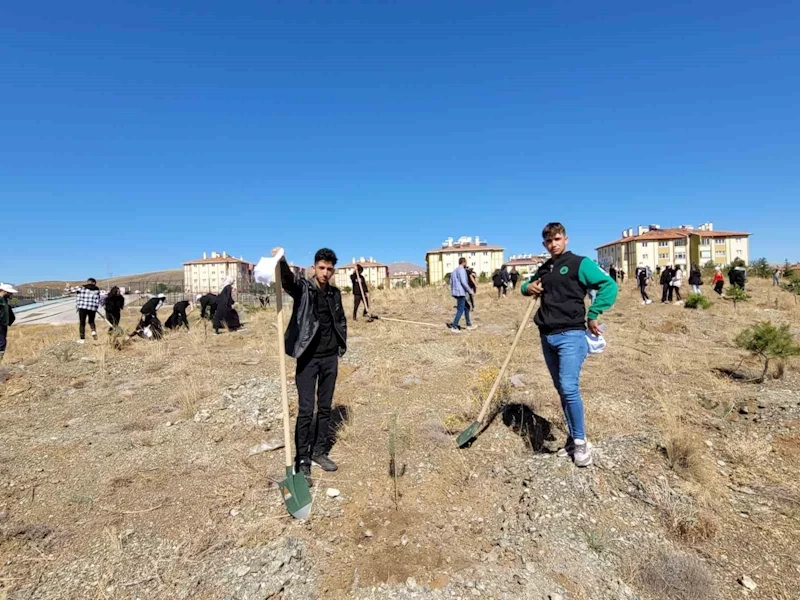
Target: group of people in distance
(671, 279)
(502, 279)
(89, 298)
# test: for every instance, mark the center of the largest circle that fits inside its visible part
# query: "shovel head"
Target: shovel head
(296, 494)
(468, 435)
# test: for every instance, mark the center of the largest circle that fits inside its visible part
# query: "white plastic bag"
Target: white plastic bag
(597, 343)
(265, 269)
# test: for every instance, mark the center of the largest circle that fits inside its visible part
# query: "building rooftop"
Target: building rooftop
(364, 263)
(217, 259)
(675, 233)
(463, 248)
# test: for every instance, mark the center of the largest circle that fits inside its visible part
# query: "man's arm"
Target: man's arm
(531, 279)
(594, 277)
(287, 279)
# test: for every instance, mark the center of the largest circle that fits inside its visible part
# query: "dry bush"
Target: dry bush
(676, 576)
(483, 385)
(192, 394)
(684, 454)
(751, 450)
(684, 518)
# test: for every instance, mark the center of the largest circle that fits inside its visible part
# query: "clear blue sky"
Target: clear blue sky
(143, 133)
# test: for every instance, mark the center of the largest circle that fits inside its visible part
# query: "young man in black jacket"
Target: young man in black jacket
(316, 337)
(666, 284)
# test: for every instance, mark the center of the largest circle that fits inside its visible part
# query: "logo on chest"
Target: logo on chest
(564, 270)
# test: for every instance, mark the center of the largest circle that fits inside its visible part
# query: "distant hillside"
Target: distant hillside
(170, 277)
(405, 267)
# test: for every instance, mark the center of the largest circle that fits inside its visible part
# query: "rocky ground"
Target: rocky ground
(151, 471)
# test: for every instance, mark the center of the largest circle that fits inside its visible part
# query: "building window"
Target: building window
(705, 242)
(721, 253)
(680, 256)
(680, 242)
(645, 256)
(663, 244)
(663, 255)
(644, 244)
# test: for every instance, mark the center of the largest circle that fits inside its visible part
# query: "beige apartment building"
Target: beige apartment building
(480, 256)
(656, 247)
(375, 273)
(526, 264)
(207, 274)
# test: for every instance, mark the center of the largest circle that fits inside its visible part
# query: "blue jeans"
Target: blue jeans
(462, 309)
(564, 354)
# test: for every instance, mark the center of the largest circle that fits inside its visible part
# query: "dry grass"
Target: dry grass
(684, 454)
(671, 575)
(684, 518)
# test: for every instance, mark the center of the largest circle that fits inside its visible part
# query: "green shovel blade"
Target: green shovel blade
(468, 434)
(296, 494)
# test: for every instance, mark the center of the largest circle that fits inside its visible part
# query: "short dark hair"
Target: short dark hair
(462, 261)
(552, 229)
(327, 255)
(91, 280)
(360, 268)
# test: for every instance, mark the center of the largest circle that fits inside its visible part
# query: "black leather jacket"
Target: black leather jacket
(304, 322)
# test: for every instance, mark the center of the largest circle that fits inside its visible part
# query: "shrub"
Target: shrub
(697, 301)
(677, 576)
(346, 289)
(761, 268)
(483, 278)
(767, 341)
(418, 282)
(737, 294)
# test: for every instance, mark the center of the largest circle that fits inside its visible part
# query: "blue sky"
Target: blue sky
(141, 134)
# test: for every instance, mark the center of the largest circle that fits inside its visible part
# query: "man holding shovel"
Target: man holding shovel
(562, 283)
(316, 337)
(359, 291)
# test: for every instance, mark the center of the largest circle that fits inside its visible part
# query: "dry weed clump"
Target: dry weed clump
(676, 576)
(671, 327)
(751, 451)
(684, 518)
(483, 385)
(684, 455)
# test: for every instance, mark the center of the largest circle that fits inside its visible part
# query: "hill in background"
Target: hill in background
(139, 281)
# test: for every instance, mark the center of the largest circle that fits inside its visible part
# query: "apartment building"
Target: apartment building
(482, 257)
(374, 273)
(526, 264)
(207, 274)
(684, 245)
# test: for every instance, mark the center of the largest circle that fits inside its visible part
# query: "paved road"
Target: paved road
(57, 312)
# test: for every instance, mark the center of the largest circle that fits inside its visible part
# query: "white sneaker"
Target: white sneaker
(582, 455)
(643, 302)
(569, 448)
(472, 327)
(649, 301)
(454, 330)
(94, 335)
(80, 341)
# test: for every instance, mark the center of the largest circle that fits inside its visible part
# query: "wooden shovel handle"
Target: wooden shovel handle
(502, 372)
(287, 436)
(363, 295)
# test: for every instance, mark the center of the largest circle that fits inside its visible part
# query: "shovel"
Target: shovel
(296, 494)
(471, 432)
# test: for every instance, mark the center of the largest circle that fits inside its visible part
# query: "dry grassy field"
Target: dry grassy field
(128, 473)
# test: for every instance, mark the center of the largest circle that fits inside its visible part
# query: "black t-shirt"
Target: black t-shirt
(325, 342)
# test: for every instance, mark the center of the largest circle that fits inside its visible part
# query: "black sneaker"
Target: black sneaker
(324, 462)
(305, 469)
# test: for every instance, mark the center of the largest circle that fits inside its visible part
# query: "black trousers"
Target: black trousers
(718, 287)
(357, 301)
(3, 334)
(314, 377)
(113, 318)
(666, 294)
(677, 292)
(83, 314)
(645, 297)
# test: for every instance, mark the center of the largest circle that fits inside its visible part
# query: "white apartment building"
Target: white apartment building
(656, 247)
(207, 274)
(480, 256)
(526, 264)
(374, 273)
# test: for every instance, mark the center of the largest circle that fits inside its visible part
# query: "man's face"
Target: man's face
(555, 243)
(323, 271)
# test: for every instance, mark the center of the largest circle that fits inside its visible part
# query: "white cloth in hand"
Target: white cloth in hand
(265, 269)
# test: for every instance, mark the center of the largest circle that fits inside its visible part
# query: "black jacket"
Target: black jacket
(504, 275)
(304, 322)
(224, 302)
(114, 304)
(695, 277)
(151, 306)
(666, 276)
(357, 290)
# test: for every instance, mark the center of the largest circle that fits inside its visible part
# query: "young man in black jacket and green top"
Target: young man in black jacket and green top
(316, 337)
(562, 283)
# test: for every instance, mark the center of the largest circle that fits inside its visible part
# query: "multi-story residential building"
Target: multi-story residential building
(653, 246)
(375, 273)
(482, 257)
(526, 264)
(401, 274)
(207, 274)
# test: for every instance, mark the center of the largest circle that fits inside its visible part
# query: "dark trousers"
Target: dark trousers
(666, 293)
(113, 318)
(3, 334)
(645, 297)
(83, 314)
(357, 302)
(718, 287)
(676, 291)
(314, 377)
